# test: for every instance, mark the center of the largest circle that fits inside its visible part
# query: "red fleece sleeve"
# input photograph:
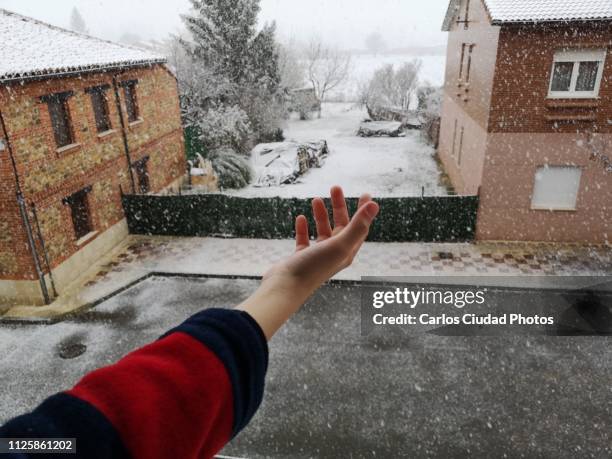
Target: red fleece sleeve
(171, 399)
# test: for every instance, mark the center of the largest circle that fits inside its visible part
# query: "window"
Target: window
(556, 188)
(142, 173)
(577, 74)
(60, 118)
(469, 63)
(463, 46)
(131, 102)
(99, 103)
(466, 19)
(455, 138)
(460, 145)
(465, 68)
(79, 209)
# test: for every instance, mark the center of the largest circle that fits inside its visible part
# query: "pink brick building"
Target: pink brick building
(527, 116)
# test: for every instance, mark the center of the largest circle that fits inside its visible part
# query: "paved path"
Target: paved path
(251, 257)
(139, 256)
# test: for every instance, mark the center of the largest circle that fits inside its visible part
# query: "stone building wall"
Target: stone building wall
(49, 174)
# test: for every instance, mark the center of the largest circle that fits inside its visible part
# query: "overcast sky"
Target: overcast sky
(345, 22)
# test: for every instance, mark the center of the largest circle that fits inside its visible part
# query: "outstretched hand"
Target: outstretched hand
(314, 263)
(287, 285)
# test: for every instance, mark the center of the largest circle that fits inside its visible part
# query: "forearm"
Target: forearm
(274, 302)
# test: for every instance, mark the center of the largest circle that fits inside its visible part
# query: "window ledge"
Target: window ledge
(137, 122)
(573, 103)
(101, 135)
(88, 237)
(548, 209)
(573, 96)
(585, 118)
(69, 147)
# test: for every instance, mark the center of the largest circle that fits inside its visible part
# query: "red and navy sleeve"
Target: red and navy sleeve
(184, 396)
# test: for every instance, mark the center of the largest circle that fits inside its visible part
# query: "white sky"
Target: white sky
(344, 22)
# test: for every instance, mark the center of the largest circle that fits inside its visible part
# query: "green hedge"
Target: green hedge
(193, 144)
(428, 219)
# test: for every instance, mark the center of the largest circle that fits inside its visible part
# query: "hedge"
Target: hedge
(428, 219)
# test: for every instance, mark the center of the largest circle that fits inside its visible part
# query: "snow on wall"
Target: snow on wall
(32, 48)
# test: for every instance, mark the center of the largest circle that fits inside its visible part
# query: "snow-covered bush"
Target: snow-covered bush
(224, 126)
(304, 102)
(430, 99)
(265, 113)
(430, 106)
(232, 169)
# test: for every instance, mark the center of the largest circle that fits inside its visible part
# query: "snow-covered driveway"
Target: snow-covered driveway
(382, 166)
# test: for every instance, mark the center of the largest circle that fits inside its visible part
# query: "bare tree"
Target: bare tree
(394, 89)
(77, 23)
(326, 68)
(375, 43)
(407, 78)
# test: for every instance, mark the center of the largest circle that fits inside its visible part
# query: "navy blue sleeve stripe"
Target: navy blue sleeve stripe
(240, 344)
(65, 416)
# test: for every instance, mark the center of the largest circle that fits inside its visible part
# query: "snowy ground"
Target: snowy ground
(381, 166)
(331, 392)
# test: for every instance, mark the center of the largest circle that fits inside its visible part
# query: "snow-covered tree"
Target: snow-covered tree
(229, 76)
(407, 80)
(77, 23)
(375, 43)
(393, 88)
(326, 68)
(291, 67)
(225, 39)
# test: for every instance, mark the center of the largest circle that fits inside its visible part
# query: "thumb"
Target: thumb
(359, 227)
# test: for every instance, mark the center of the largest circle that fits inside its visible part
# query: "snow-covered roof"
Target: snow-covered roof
(509, 11)
(30, 48)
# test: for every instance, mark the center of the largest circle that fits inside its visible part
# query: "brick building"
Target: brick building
(80, 120)
(527, 116)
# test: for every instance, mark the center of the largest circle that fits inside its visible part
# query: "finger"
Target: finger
(357, 231)
(302, 239)
(324, 230)
(363, 200)
(341, 215)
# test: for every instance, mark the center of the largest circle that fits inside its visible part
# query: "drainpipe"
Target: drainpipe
(126, 146)
(43, 246)
(24, 215)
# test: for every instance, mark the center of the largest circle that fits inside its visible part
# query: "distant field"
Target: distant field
(364, 66)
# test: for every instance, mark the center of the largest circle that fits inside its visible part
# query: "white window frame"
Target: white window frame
(536, 206)
(578, 56)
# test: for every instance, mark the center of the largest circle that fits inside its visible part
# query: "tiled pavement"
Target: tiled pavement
(139, 256)
(252, 257)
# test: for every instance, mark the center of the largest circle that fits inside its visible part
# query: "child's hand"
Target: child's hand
(335, 249)
(288, 285)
